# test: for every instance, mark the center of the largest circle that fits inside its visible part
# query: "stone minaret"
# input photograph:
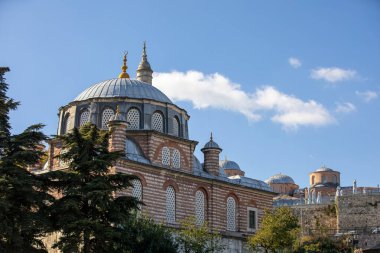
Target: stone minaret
(211, 153)
(144, 71)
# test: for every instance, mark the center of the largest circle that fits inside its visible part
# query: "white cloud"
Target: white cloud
(345, 108)
(294, 62)
(368, 95)
(333, 74)
(217, 91)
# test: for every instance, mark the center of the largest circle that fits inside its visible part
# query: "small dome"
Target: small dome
(280, 179)
(123, 88)
(229, 165)
(323, 168)
(211, 144)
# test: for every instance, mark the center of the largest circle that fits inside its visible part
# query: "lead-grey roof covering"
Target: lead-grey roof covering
(229, 165)
(245, 181)
(123, 87)
(280, 179)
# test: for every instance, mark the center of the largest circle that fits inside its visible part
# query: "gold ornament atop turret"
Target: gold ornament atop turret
(124, 73)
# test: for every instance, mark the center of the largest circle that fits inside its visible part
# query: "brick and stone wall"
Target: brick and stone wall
(316, 219)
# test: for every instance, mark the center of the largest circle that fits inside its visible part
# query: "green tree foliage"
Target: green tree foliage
(143, 235)
(90, 215)
(324, 244)
(23, 198)
(279, 230)
(198, 239)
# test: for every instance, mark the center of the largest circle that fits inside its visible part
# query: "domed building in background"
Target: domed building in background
(172, 182)
(282, 184)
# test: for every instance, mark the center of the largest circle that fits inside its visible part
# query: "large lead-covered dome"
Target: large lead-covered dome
(123, 88)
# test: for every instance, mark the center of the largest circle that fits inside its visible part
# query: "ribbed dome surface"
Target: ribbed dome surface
(123, 87)
(280, 179)
(229, 165)
(324, 169)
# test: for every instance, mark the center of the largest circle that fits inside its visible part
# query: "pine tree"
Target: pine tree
(89, 215)
(23, 198)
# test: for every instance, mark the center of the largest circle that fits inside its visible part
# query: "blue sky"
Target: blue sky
(268, 112)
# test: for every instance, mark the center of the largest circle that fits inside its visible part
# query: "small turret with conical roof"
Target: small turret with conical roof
(144, 71)
(211, 153)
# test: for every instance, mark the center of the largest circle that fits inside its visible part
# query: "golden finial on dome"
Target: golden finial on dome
(124, 74)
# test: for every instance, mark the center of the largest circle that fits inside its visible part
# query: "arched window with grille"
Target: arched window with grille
(106, 115)
(176, 158)
(231, 214)
(133, 118)
(175, 126)
(67, 123)
(157, 122)
(165, 153)
(137, 191)
(200, 203)
(170, 204)
(84, 117)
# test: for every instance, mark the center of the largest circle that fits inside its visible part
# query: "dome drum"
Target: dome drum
(146, 108)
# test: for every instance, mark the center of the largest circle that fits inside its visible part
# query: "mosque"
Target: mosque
(172, 182)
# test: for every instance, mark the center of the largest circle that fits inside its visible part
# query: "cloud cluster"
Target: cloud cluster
(345, 108)
(368, 95)
(217, 91)
(294, 62)
(333, 74)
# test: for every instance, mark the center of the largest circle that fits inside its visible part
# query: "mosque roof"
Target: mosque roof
(279, 179)
(123, 88)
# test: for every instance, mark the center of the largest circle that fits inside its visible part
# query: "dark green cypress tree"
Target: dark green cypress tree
(90, 216)
(23, 198)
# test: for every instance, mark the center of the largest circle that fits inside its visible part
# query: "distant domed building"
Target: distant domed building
(324, 181)
(282, 184)
(152, 131)
(230, 168)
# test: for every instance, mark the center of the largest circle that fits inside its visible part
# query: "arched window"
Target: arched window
(231, 214)
(84, 117)
(324, 179)
(165, 156)
(312, 180)
(176, 158)
(199, 208)
(157, 122)
(175, 126)
(106, 115)
(170, 204)
(335, 179)
(133, 118)
(67, 123)
(137, 189)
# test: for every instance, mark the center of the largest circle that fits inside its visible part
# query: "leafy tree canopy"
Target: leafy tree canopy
(193, 238)
(279, 230)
